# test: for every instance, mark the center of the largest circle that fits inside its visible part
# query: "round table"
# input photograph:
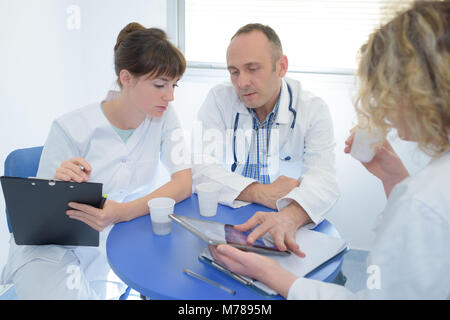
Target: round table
(153, 265)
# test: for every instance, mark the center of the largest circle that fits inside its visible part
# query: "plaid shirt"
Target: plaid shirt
(256, 166)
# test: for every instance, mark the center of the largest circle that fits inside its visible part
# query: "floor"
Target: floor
(353, 269)
(7, 293)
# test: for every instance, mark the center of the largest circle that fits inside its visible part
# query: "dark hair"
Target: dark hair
(144, 51)
(270, 34)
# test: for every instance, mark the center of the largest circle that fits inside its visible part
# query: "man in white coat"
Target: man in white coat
(266, 141)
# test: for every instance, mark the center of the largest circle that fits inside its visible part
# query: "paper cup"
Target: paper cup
(208, 198)
(364, 143)
(160, 208)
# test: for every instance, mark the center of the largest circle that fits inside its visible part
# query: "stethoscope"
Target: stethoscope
(236, 122)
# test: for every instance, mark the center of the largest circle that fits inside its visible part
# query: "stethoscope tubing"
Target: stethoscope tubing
(236, 123)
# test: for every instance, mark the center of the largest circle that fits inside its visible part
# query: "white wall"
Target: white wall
(50, 66)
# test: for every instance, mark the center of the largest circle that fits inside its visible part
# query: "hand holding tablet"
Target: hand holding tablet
(215, 233)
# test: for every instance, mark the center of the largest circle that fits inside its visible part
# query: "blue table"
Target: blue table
(152, 265)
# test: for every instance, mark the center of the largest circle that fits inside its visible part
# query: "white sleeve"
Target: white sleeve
(411, 252)
(410, 259)
(58, 147)
(174, 152)
(308, 289)
(209, 165)
(318, 190)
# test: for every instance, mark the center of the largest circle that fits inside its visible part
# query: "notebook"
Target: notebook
(318, 247)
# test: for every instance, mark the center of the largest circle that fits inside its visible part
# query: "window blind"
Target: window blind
(314, 33)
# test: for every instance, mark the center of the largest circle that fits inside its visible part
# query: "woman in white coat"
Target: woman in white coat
(404, 77)
(119, 143)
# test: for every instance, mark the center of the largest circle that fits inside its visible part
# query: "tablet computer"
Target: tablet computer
(37, 211)
(216, 233)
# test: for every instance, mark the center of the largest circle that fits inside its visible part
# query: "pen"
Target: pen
(232, 274)
(195, 275)
(102, 202)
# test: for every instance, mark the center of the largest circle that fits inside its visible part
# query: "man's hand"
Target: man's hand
(281, 225)
(268, 194)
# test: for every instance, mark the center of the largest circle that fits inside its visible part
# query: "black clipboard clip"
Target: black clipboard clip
(102, 201)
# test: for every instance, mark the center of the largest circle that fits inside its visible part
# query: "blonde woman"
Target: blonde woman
(404, 77)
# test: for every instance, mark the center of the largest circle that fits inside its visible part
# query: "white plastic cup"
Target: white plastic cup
(364, 144)
(160, 208)
(208, 198)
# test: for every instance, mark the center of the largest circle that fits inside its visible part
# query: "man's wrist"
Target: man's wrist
(296, 212)
(251, 193)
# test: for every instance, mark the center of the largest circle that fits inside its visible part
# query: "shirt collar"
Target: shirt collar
(271, 116)
(284, 116)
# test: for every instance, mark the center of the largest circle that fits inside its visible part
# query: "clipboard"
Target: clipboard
(37, 211)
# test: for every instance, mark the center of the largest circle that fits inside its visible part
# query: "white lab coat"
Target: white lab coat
(125, 169)
(410, 258)
(310, 146)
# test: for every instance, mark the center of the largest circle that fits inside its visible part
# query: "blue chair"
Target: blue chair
(22, 163)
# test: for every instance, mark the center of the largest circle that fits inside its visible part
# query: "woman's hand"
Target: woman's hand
(74, 169)
(386, 165)
(97, 219)
(255, 266)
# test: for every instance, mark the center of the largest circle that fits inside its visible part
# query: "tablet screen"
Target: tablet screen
(234, 236)
(216, 233)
